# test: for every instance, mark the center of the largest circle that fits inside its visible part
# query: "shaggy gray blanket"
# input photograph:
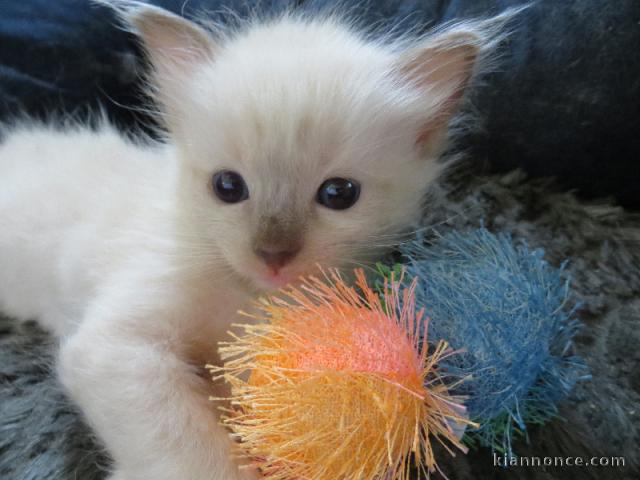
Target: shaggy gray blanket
(42, 437)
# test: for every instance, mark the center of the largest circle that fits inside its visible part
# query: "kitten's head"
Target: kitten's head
(300, 142)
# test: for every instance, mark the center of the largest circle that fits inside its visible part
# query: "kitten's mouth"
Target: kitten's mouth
(272, 280)
(275, 280)
(267, 280)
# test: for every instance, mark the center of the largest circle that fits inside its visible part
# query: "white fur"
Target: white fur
(123, 251)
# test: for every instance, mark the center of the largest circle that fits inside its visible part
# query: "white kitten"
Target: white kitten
(292, 142)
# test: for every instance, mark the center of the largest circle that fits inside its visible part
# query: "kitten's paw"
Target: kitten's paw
(250, 474)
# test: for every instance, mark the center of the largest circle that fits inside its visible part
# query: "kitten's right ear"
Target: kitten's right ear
(172, 42)
(175, 46)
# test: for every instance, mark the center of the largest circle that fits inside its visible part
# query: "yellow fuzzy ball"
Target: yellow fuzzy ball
(334, 383)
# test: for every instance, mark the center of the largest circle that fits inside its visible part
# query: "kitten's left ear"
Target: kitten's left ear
(441, 69)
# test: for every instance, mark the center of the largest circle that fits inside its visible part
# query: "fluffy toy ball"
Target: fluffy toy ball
(335, 383)
(507, 309)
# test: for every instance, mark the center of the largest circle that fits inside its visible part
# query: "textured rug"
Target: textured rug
(43, 438)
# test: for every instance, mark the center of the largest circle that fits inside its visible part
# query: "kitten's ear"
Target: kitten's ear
(175, 47)
(441, 68)
(172, 42)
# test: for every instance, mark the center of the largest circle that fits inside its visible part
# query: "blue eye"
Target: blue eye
(229, 186)
(338, 193)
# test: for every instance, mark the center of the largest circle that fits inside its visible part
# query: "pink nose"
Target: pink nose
(276, 258)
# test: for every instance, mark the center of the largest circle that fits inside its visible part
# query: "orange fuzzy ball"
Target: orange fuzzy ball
(332, 385)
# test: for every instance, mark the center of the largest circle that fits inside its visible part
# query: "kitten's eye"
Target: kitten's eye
(338, 193)
(229, 186)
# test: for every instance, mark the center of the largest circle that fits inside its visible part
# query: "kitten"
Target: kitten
(293, 142)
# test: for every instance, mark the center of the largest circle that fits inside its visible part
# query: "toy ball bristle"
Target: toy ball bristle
(336, 384)
(507, 308)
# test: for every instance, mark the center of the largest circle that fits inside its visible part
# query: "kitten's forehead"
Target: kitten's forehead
(294, 103)
(288, 36)
(280, 120)
(299, 78)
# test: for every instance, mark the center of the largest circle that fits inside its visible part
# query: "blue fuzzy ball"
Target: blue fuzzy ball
(507, 309)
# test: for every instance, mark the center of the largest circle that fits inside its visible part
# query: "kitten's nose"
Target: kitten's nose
(276, 257)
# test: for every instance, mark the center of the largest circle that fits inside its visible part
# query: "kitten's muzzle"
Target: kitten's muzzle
(278, 239)
(277, 257)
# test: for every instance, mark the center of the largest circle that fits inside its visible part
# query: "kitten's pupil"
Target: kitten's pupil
(338, 193)
(229, 186)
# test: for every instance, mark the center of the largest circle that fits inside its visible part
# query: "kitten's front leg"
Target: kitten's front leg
(148, 405)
